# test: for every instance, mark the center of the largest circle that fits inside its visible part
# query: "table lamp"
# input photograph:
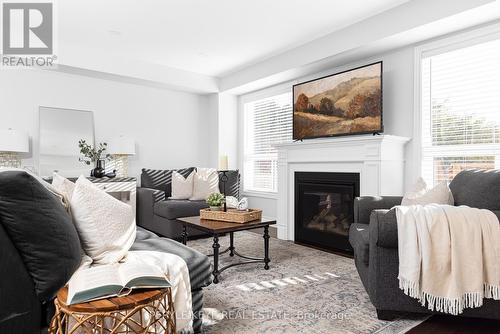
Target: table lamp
(120, 148)
(13, 142)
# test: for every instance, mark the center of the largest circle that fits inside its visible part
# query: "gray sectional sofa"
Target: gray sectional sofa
(374, 238)
(157, 213)
(36, 264)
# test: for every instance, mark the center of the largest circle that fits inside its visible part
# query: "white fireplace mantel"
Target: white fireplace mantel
(378, 159)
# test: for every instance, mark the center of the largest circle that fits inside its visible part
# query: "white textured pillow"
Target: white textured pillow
(440, 194)
(417, 190)
(106, 226)
(63, 185)
(182, 188)
(206, 182)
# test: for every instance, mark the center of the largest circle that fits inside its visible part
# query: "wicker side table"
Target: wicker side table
(142, 311)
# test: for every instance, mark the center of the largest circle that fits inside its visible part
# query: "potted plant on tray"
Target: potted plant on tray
(215, 201)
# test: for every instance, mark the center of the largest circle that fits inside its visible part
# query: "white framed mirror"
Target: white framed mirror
(60, 130)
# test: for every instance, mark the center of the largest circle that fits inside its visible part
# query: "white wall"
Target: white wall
(228, 124)
(212, 109)
(223, 109)
(171, 129)
(397, 106)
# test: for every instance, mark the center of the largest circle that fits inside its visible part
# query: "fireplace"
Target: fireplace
(324, 209)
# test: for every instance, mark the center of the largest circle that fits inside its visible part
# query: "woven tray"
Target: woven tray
(232, 215)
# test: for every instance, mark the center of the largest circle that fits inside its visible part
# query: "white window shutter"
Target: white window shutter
(266, 122)
(460, 105)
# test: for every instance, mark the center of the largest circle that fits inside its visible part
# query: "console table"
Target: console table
(122, 188)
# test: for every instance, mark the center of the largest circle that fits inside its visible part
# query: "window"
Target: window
(266, 122)
(460, 103)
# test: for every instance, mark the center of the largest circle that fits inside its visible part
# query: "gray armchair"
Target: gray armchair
(374, 238)
(159, 214)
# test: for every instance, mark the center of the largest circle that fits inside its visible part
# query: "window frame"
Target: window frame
(242, 100)
(442, 45)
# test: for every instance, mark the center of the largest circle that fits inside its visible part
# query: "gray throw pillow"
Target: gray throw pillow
(41, 230)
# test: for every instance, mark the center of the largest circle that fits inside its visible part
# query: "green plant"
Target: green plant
(90, 153)
(215, 199)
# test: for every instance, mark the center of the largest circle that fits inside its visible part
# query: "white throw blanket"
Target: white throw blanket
(176, 271)
(449, 257)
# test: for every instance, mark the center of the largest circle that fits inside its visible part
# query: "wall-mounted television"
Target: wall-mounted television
(340, 104)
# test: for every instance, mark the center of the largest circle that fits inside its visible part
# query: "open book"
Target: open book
(112, 280)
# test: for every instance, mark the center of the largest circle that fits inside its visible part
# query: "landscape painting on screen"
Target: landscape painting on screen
(344, 103)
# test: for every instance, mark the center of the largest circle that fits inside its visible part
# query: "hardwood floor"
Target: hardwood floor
(441, 324)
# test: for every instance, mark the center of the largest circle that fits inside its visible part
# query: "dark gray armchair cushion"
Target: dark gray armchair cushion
(175, 208)
(363, 206)
(477, 189)
(232, 184)
(41, 230)
(384, 227)
(359, 238)
(153, 178)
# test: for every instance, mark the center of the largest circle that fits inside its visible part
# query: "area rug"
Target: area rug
(305, 291)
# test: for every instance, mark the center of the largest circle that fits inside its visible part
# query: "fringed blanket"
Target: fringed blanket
(176, 270)
(449, 257)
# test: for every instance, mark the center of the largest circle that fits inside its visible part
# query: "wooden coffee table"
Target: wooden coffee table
(215, 228)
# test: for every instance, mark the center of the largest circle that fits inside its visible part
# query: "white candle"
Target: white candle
(223, 162)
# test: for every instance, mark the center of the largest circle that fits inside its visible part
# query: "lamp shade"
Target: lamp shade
(121, 145)
(14, 141)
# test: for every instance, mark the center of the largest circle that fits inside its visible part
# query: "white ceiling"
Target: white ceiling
(210, 37)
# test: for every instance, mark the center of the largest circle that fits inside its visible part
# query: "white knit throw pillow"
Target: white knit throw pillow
(106, 226)
(182, 188)
(440, 194)
(206, 182)
(63, 185)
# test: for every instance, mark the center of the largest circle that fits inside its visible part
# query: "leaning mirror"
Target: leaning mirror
(59, 132)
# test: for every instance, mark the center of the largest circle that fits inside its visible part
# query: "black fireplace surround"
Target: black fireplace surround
(324, 209)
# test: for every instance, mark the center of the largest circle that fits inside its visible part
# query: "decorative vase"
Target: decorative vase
(98, 171)
(215, 208)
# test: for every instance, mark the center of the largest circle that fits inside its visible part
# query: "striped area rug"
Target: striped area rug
(305, 291)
